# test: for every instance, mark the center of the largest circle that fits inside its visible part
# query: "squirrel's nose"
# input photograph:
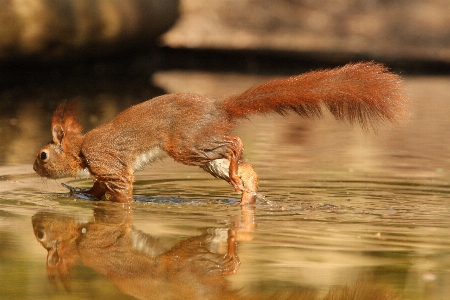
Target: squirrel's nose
(36, 168)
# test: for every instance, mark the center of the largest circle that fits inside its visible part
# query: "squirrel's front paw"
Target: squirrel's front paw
(79, 192)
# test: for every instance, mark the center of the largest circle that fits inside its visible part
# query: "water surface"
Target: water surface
(340, 210)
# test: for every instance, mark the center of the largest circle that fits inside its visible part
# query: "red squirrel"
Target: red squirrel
(196, 130)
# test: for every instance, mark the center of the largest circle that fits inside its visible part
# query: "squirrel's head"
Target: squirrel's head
(61, 157)
(58, 234)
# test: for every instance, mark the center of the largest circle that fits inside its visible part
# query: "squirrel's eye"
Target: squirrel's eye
(43, 155)
(40, 235)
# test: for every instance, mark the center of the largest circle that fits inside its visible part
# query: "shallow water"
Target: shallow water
(340, 211)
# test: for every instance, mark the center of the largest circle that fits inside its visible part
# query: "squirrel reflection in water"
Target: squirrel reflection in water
(137, 263)
(144, 267)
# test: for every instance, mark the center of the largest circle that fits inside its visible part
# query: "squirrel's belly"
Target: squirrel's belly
(219, 168)
(84, 173)
(147, 157)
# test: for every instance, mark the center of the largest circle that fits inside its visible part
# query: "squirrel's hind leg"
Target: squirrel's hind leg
(250, 180)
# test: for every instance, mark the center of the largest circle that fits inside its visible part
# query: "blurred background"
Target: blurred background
(380, 29)
(111, 54)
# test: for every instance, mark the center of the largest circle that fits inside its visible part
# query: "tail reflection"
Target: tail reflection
(137, 263)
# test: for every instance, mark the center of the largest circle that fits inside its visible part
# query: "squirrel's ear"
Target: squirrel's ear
(57, 134)
(65, 120)
(52, 257)
(52, 266)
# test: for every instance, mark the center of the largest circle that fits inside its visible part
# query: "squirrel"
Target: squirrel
(195, 130)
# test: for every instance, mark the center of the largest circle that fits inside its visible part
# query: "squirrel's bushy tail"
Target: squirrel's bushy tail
(363, 92)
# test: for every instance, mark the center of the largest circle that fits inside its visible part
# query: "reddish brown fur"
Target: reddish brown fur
(146, 268)
(66, 115)
(195, 130)
(362, 92)
(138, 264)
